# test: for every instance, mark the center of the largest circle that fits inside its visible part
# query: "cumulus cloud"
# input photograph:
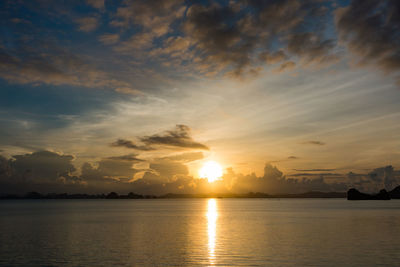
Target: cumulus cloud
(370, 30)
(47, 171)
(273, 181)
(116, 167)
(383, 177)
(42, 165)
(41, 170)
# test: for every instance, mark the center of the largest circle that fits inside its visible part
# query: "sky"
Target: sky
(287, 96)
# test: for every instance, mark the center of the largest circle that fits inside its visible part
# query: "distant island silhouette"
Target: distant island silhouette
(354, 194)
(114, 195)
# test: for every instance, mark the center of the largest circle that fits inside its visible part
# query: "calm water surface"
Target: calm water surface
(200, 232)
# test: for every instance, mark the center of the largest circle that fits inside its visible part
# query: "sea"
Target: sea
(199, 232)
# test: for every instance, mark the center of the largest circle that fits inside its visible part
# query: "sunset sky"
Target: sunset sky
(131, 94)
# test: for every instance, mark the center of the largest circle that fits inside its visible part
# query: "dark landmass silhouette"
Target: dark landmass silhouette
(312, 194)
(395, 193)
(354, 194)
(114, 195)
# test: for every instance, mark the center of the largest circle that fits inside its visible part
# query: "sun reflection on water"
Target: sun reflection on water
(212, 215)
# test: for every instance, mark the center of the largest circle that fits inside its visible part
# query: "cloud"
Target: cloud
(129, 157)
(116, 168)
(172, 46)
(319, 174)
(185, 157)
(42, 170)
(274, 182)
(272, 58)
(293, 157)
(383, 177)
(179, 137)
(109, 38)
(235, 37)
(99, 4)
(87, 24)
(312, 48)
(129, 91)
(154, 19)
(53, 65)
(165, 170)
(129, 144)
(47, 172)
(313, 142)
(42, 165)
(138, 41)
(314, 170)
(370, 30)
(288, 65)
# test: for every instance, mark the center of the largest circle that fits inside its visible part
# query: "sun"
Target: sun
(211, 170)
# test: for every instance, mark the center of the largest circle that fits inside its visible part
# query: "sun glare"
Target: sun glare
(211, 170)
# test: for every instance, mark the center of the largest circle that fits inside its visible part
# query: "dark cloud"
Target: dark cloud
(371, 30)
(130, 144)
(42, 165)
(313, 142)
(293, 157)
(179, 137)
(42, 170)
(312, 48)
(233, 37)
